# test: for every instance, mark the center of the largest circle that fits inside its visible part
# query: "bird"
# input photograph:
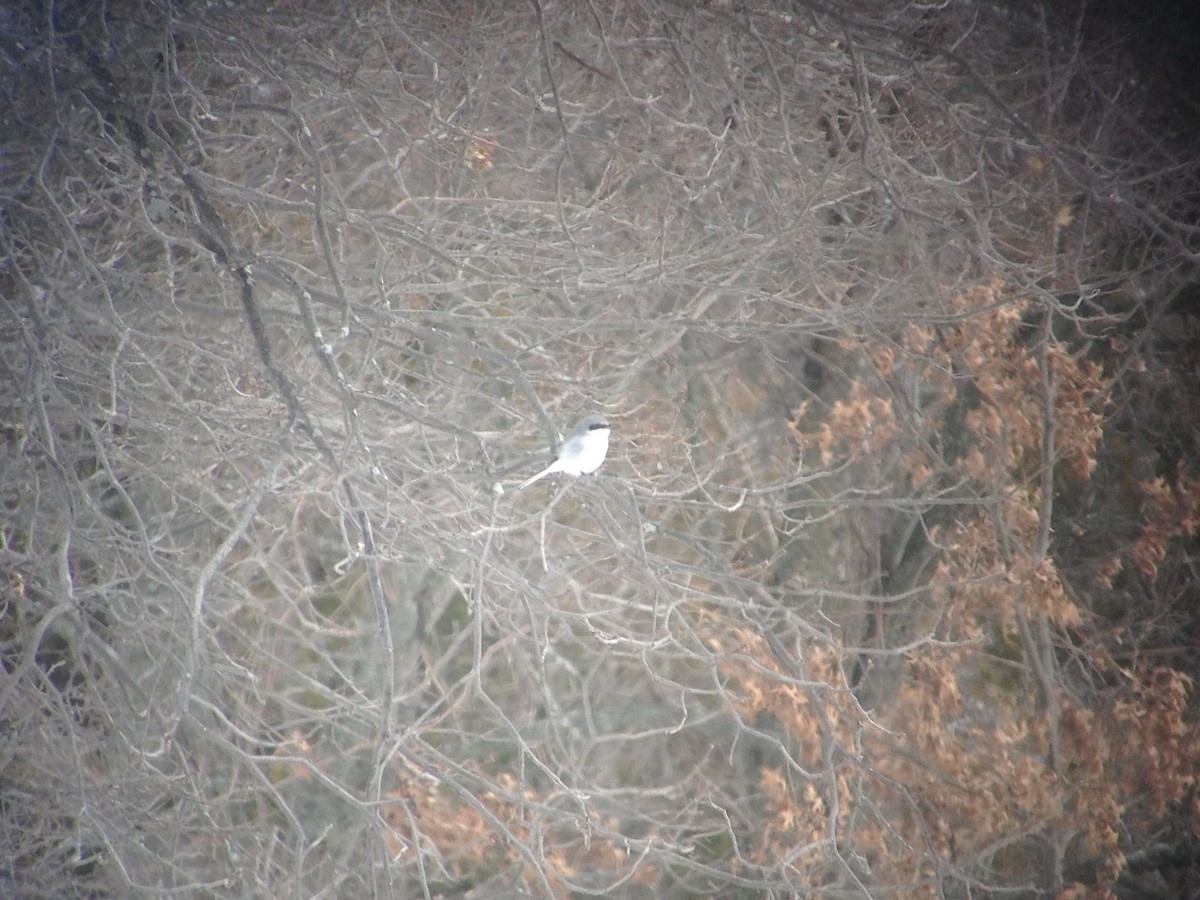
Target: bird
(582, 451)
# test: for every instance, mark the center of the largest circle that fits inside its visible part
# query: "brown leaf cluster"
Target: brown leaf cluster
(1168, 512)
(987, 749)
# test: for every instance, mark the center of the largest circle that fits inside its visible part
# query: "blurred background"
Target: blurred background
(887, 587)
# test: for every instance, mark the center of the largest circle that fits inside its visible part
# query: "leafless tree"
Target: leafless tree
(888, 305)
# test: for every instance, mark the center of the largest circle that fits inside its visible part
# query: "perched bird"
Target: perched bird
(582, 451)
